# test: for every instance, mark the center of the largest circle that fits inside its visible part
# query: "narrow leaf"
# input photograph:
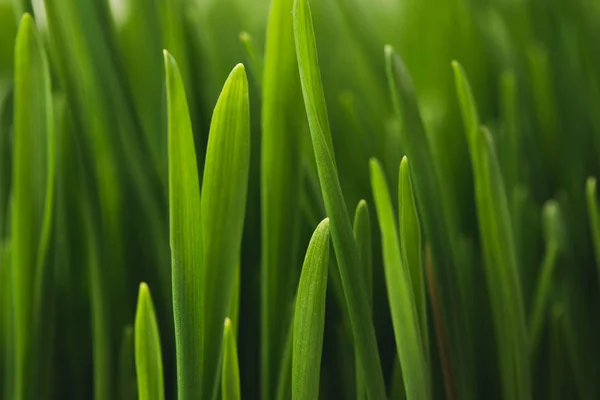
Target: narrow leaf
(148, 355)
(186, 237)
(224, 189)
(341, 231)
(230, 378)
(594, 218)
(405, 318)
(504, 286)
(309, 317)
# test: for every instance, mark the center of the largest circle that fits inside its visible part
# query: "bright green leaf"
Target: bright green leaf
(230, 378)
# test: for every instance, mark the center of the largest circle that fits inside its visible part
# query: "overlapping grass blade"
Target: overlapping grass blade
(410, 243)
(309, 317)
(405, 317)
(148, 353)
(230, 377)
(345, 247)
(362, 235)
(186, 237)
(504, 285)
(32, 206)
(7, 355)
(439, 225)
(280, 188)
(224, 189)
(127, 375)
(553, 233)
(255, 60)
(594, 218)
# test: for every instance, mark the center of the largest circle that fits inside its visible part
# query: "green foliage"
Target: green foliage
(471, 271)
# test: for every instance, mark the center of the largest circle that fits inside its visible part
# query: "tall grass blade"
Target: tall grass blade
(410, 243)
(230, 377)
(186, 237)
(255, 60)
(346, 251)
(504, 286)
(362, 235)
(282, 125)
(553, 233)
(148, 353)
(405, 318)
(127, 376)
(439, 225)
(309, 317)
(32, 201)
(224, 189)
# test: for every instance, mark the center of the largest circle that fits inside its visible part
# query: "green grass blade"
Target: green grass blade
(148, 354)
(362, 235)
(594, 218)
(186, 237)
(344, 244)
(282, 125)
(309, 317)
(7, 344)
(504, 285)
(410, 242)
(33, 169)
(224, 190)
(405, 318)
(438, 223)
(230, 378)
(284, 381)
(553, 233)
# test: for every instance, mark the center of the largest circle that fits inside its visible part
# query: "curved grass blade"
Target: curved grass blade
(362, 235)
(186, 237)
(554, 244)
(148, 354)
(224, 190)
(405, 318)
(230, 378)
(282, 125)
(309, 317)
(594, 217)
(504, 284)
(410, 242)
(32, 201)
(341, 231)
(439, 227)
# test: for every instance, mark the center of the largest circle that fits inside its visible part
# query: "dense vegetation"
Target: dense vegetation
(299, 199)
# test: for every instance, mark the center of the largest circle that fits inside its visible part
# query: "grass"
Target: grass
(221, 179)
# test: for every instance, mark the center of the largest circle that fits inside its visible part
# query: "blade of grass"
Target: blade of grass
(553, 233)
(255, 62)
(230, 378)
(224, 190)
(148, 354)
(410, 243)
(362, 235)
(186, 237)
(344, 244)
(439, 227)
(504, 285)
(405, 318)
(33, 196)
(309, 317)
(8, 326)
(280, 189)
(594, 218)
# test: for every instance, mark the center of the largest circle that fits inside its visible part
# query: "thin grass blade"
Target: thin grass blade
(504, 286)
(405, 318)
(186, 237)
(344, 244)
(230, 377)
(224, 190)
(594, 218)
(148, 353)
(309, 317)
